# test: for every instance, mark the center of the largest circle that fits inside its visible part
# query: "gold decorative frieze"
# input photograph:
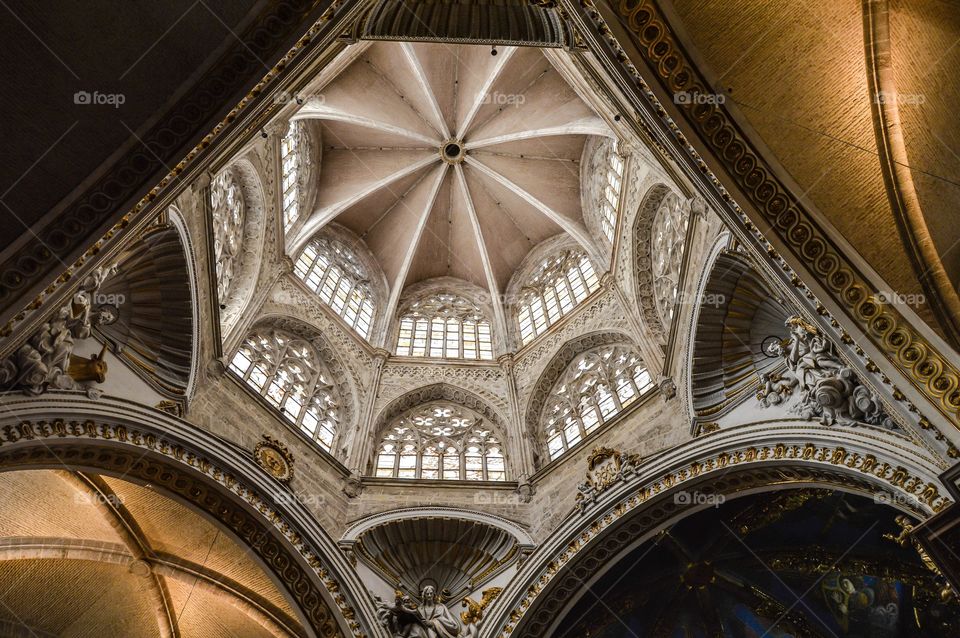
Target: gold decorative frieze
(910, 490)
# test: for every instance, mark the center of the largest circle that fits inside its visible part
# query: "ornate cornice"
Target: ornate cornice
(934, 376)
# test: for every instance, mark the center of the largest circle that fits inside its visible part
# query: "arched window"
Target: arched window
(294, 148)
(333, 270)
(441, 441)
(610, 204)
(444, 325)
(288, 373)
(227, 205)
(556, 287)
(596, 386)
(666, 251)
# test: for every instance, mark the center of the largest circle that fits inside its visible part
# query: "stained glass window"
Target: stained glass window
(288, 373)
(293, 153)
(667, 242)
(333, 270)
(446, 326)
(441, 441)
(227, 205)
(596, 386)
(560, 283)
(612, 187)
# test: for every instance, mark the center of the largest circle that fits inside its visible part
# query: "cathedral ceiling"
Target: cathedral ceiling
(103, 555)
(448, 160)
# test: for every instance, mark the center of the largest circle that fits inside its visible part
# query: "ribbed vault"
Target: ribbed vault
(448, 161)
(105, 556)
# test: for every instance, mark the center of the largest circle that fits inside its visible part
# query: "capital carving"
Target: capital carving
(668, 388)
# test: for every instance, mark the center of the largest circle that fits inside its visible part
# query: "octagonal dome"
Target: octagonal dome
(449, 160)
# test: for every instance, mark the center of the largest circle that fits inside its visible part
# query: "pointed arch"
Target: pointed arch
(446, 395)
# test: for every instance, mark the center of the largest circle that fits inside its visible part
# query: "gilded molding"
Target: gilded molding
(150, 457)
(929, 371)
(725, 472)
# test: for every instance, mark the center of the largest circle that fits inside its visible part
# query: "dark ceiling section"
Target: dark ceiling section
(179, 67)
(134, 57)
(793, 564)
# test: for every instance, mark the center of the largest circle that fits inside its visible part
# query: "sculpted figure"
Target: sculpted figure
(46, 359)
(438, 620)
(430, 619)
(817, 383)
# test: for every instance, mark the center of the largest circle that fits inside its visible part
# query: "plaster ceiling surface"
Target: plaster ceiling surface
(447, 160)
(796, 73)
(69, 569)
(925, 69)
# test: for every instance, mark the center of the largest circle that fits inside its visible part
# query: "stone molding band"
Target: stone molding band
(121, 438)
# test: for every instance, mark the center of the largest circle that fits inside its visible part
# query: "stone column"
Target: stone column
(517, 441)
(361, 448)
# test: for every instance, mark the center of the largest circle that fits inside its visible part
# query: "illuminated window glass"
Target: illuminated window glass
(445, 326)
(293, 162)
(596, 386)
(441, 441)
(612, 188)
(556, 287)
(288, 373)
(227, 206)
(666, 251)
(333, 270)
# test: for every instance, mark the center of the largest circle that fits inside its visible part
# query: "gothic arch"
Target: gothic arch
(343, 380)
(555, 368)
(478, 296)
(643, 258)
(218, 481)
(254, 202)
(736, 462)
(440, 392)
(375, 281)
(529, 267)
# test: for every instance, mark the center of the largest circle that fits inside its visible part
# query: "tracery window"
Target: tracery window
(667, 242)
(334, 271)
(444, 325)
(293, 153)
(596, 386)
(288, 373)
(610, 204)
(227, 205)
(441, 441)
(560, 283)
